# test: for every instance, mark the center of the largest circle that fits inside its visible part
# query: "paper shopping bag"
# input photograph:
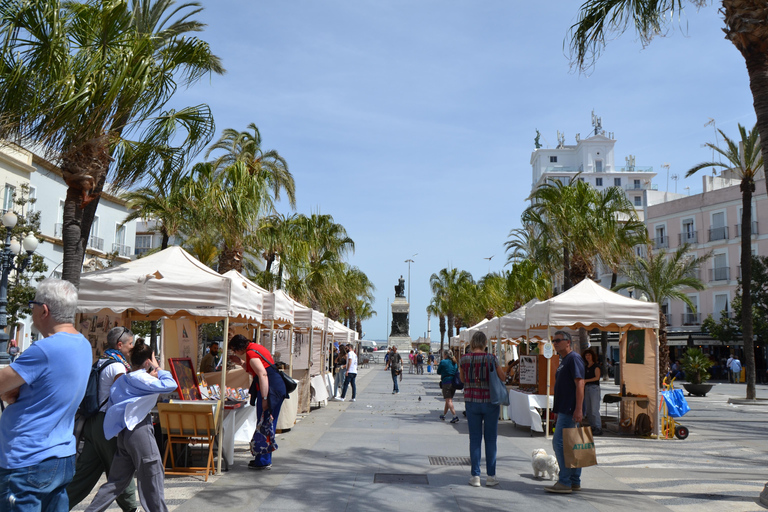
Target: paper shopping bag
(579, 447)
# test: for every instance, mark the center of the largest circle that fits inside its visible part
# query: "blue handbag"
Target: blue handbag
(499, 394)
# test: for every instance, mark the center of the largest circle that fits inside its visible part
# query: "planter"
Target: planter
(698, 389)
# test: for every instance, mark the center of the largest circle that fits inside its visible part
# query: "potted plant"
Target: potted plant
(696, 365)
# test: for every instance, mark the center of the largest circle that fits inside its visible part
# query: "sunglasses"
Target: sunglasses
(557, 340)
(34, 302)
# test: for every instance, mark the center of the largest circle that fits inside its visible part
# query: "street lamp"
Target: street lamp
(409, 261)
(7, 264)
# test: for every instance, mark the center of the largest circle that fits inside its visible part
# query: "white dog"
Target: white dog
(543, 463)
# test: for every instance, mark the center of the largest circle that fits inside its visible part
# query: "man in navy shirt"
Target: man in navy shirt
(569, 403)
(44, 387)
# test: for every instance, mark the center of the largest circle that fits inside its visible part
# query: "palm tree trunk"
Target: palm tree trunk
(663, 348)
(604, 336)
(566, 269)
(230, 258)
(747, 188)
(442, 334)
(450, 326)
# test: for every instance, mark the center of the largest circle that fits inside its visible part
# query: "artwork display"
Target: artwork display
(636, 347)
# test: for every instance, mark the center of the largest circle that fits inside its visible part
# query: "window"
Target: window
(598, 166)
(598, 182)
(636, 184)
(31, 200)
(691, 317)
(616, 182)
(719, 230)
(720, 270)
(10, 193)
(553, 159)
(721, 306)
(143, 243)
(661, 241)
(638, 200)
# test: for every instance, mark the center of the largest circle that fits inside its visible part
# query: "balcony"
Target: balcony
(719, 233)
(661, 242)
(641, 186)
(691, 318)
(122, 250)
(695, 273)
(58, 230)
(738, 229)
(720, 274)
(95, 242)
(689, 237)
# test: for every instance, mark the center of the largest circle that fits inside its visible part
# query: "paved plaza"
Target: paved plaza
(332, 457)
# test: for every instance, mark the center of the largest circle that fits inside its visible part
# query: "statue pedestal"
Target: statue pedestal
(404, 344)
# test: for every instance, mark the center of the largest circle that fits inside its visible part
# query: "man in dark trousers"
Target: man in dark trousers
(568, 405)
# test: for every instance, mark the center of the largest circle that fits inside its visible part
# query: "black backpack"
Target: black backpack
(420, 359)
(90, 404)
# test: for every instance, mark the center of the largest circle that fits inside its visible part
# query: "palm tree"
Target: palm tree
(162, 199)
(363, 311)
(437, 307)
(89, 82)
(449, 285)
(663, 277)
(744, 160)
(745, 26)
(248, 182)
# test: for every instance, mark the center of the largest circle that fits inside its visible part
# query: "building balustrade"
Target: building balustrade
(122, 250)
(691, 318)
(718, 233)
(688, 237)
(95, 242)
(738, 229)
(661, 242)
(720, 274)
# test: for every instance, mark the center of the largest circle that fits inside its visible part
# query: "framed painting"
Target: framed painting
(184, 375)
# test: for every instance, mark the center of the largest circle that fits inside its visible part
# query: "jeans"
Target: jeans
(394, 379)
(592, 406)
(338, 380)
(483, 421)
(568, 476)
(265, 459)
(38, 488)
(350, 379)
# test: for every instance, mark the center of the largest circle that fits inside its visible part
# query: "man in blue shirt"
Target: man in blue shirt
(568, 405)
(44, 388)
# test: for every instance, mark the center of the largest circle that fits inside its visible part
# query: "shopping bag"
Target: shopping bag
(579, 447)
(676, 404)
(499, 393)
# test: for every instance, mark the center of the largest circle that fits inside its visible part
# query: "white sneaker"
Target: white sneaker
(337, 399)
(353, 400)
(474, 481)
(491, 481)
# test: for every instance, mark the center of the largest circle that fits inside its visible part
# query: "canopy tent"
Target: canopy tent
(590, 306)
(170, 284)
(314, 323)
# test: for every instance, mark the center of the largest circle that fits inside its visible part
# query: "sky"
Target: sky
(413, 123)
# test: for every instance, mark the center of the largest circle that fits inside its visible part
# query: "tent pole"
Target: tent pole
(290, 351)
(657, 423)
(272, 338)
(549, 376)
(309, 358)
(222, 395)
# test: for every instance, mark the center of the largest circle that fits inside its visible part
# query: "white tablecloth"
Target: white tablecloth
(238, 425)
(522, 409)
(319, 389)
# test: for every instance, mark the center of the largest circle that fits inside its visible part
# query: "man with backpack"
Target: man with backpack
(97, 454)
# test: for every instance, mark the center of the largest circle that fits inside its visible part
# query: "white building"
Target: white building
(19, 166)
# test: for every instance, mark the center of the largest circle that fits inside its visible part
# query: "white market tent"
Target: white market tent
(590, 306)
(170, 284)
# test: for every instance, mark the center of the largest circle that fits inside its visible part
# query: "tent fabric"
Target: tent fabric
(258, 293)
(308, 318)
(589, 305)
(641, 379)
(279, 307)
(170, 283)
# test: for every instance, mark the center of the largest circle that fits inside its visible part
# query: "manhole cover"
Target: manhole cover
(435, 460)
(400, 478)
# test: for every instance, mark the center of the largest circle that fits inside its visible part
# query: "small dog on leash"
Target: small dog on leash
(543, 463)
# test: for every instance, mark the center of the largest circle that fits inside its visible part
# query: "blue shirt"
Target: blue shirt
(571, 368)
(40, 423)
(132, 397)
(446, 369)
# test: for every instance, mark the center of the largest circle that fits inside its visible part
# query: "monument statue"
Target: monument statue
(400, 288)
(399, 324)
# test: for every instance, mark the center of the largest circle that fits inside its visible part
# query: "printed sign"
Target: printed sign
(548, 349)
(528, 370)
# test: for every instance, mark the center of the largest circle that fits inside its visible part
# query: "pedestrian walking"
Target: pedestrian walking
(395, 365)
(735, 368)
(482, 416)
(351, 375)
(568, 406)
(447, 371)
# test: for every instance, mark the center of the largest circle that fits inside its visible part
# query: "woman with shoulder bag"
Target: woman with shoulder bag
(447, 369)
(482, 416)
(269, 391)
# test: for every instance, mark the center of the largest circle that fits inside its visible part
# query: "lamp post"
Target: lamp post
(7, 264)
(409, 261)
